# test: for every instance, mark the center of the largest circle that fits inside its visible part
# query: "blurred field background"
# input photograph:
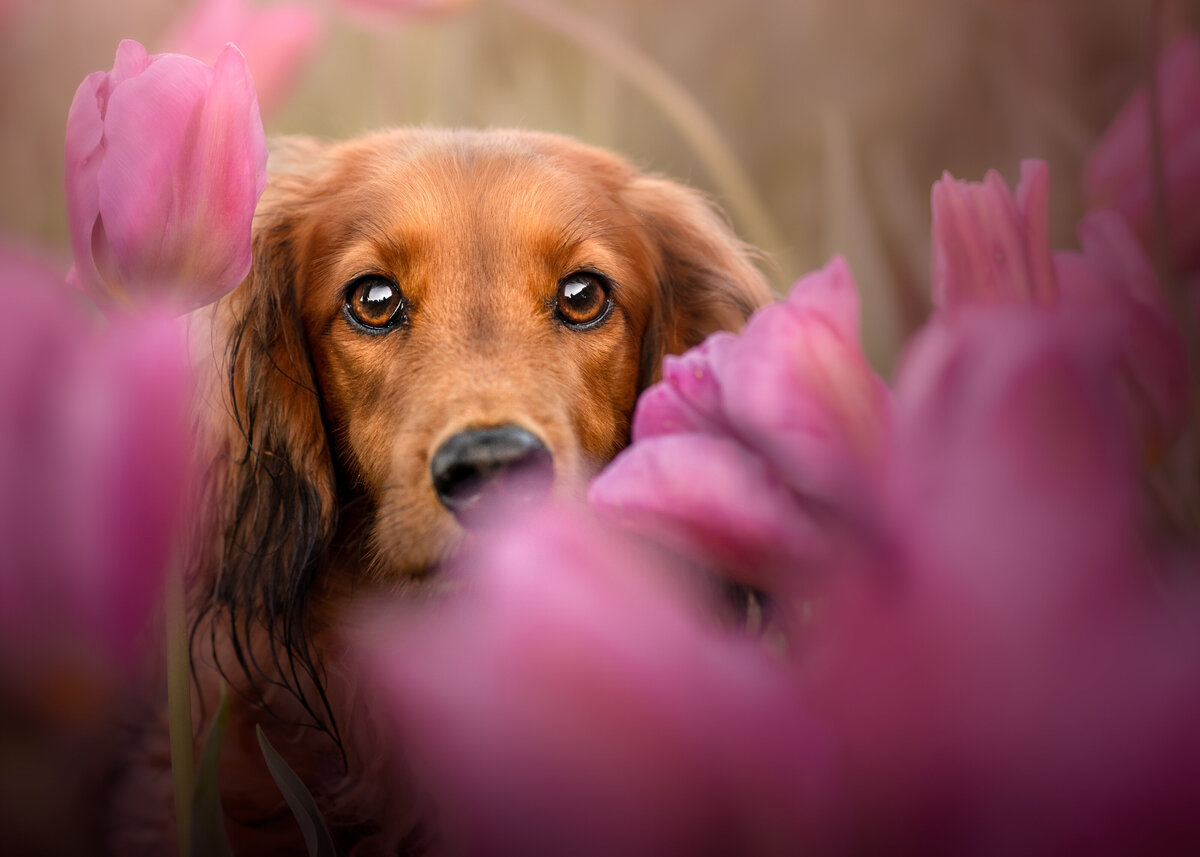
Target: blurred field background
(843, 112)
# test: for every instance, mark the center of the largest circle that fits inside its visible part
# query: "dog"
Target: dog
(431, 316)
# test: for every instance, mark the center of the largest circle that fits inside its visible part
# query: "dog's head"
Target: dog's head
(431, 312)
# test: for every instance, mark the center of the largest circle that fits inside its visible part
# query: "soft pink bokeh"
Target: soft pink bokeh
(575, 700)
(1118, 173)
(94, 464)
(277, 40)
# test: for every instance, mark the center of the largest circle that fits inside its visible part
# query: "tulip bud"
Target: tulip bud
(166, 160)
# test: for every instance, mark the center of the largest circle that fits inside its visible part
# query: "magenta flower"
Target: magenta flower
(751, 446)
(277, 40)
(94, 452)
(991, 246)
(1012, 683)
(166, 160)
(574, 700)
(1118, 173)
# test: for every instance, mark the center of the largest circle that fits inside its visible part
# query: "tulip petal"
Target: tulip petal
(614, 712)
(688, 398)
(1118, 172)
(799, 391)
(710, 493)
(1112, 287)
(1017, 480)
(84, 155)
(990, 246)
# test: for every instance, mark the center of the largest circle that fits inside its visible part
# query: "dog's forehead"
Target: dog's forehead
(477, 202)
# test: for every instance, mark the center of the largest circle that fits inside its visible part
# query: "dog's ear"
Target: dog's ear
(707, 277)
(279, 494)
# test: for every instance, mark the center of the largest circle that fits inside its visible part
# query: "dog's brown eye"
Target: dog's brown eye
(583, 299)
(375, 302)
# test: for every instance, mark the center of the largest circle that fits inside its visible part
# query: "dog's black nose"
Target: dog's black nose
(505, 461)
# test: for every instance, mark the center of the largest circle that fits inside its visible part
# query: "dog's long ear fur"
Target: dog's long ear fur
(707, 277)
(277, 500)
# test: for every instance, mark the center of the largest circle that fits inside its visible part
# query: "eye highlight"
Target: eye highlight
(583, 299)
(375, 303)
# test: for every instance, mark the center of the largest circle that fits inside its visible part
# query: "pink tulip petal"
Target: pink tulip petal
(711, 494)
(84, 155)
(990, 246)
(1118, 172)
(572, 701)
(94, 457)
(1017, 480)
(1112, 287)
(689, 396)
(799, 391)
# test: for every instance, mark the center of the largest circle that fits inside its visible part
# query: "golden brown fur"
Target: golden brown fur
(320, 483)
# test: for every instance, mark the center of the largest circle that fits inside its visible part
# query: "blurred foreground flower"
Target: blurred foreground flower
(574, 700)
(277, 40)
(94, 459)
(166, 160)
(1007, 679)
(1118, 174)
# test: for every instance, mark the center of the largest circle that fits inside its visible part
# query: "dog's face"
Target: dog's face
(435, 313)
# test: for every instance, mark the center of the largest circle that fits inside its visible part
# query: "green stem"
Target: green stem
(179, 704)
(676, 103)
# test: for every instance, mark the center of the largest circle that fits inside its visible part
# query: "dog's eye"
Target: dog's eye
(583, 299)
(375, 302)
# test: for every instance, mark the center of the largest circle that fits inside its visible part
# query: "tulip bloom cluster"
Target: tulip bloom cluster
(975, 642)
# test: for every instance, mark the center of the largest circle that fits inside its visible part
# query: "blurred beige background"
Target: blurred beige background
(843, 112)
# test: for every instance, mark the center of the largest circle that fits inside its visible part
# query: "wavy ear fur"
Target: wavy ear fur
(707, 277)
(278, 511)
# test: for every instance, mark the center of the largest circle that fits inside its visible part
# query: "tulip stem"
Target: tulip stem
(676, 103)
(179, 704)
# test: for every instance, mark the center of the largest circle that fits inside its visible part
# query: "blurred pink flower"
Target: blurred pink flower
(166, 160)
(1013, 685)
(991, 246)
(277, 40)
(573, 699)
(750, 444)
(1118, 173)
(94, 452)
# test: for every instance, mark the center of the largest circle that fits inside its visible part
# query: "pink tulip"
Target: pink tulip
(1118, 173)
(94, 452)
(1012, 684)
(751, 447)
(991, 246)
(278, 40)
(166, 160)
(573, 700)
(800, 391)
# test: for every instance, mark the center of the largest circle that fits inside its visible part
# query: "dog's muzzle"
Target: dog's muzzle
(505, 464)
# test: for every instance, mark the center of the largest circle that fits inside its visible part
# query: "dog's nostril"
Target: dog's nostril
(472, 464)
